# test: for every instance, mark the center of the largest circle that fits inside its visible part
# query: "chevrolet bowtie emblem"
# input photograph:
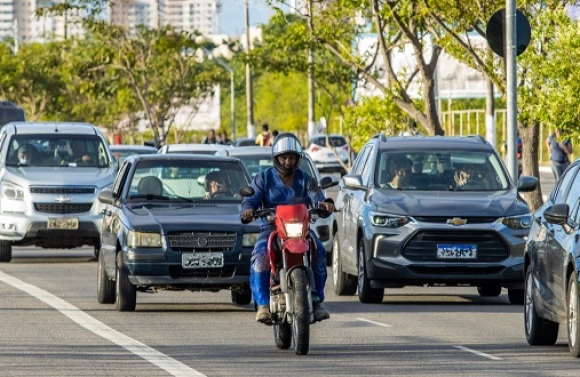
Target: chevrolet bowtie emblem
(62, 199)
(456, 221)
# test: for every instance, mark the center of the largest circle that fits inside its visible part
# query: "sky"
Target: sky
(232, 16)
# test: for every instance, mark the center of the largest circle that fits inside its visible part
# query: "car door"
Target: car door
(111, 219)
(352, 199)
(551, 256)
(560, 239)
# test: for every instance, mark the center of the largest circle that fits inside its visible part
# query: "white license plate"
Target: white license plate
(202, 260)
(63, 223)
(456, 251)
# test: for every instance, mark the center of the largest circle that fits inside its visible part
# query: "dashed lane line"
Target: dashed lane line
(374, 322)
(486, 355)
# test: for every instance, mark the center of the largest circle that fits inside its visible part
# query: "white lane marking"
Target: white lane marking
(487, 355)
(374, 322)
(171, 366)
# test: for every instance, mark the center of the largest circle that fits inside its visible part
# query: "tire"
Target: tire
(516, 296)
(96, 251)
(301, 321)
(105, 286)
(5, 251)
(126, 292)
(539, 331)
(344, 284)
(489, 290)
(572, 312)
(242, 296)
(366, 294)
(283, 335)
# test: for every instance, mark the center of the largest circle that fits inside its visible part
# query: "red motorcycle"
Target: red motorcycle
(292, 251)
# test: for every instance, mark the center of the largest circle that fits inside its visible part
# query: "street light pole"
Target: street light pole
(249, 88)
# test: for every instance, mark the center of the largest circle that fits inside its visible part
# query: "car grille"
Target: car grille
(202, 242)
(227, 272)
(62, 190)
(444, 219)
(63, 208)
(422, 246)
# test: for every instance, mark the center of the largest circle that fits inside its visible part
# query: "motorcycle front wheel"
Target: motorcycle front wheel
(301, 321)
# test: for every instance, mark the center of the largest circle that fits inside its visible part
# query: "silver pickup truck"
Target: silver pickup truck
(51, 174)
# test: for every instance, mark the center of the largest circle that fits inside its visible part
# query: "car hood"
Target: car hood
(449, 203)
(50, 176)
(186, 216)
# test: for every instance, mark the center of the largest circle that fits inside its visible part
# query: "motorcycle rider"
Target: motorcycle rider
(284, 183)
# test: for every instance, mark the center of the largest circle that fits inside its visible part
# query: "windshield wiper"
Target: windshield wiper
(149, 197)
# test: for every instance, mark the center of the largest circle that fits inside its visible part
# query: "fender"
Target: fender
(271, 253)
(297, 246)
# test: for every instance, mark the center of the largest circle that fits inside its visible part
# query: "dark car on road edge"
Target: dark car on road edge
(552, 259)
(431, 231)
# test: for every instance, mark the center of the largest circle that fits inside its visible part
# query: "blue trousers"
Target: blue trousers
(260, 270)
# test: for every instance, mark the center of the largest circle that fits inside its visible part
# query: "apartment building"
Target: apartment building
(18, 20)
(185, 15)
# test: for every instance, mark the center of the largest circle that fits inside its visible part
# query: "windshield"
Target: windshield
(333, 141)
(441, 171)
(187, 180)
(37, 150)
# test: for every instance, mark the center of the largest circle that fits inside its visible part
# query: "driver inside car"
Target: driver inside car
(217, 186)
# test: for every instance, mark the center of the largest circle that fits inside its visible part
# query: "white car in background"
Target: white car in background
(258, 158)
(194, 148)
(330, 153)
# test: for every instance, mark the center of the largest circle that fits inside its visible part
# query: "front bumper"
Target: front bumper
(397, 260)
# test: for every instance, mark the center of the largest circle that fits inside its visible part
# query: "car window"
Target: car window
(60, 150)
(185, 179)
(360, 161)
(121, 177)
(564, 185)
(368, 167)
(441, 170)
(333, 141)
(573, 195)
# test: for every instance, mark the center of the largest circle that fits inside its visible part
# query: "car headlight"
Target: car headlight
(11, 191)
(249, 239)
(517, 222)
(141, 239)
(388, 221)
(294, 230)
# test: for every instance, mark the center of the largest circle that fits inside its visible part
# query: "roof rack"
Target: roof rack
(478, 137)
(381, 136)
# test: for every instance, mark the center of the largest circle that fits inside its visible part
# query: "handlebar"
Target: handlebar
(265, 212)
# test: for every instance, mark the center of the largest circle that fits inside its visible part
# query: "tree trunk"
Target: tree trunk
(530, 134)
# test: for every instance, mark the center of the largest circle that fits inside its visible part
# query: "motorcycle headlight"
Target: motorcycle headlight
(250, 239)
(388, 221)
(517, 222)
(11, 191)
(141, 239)
(293, 230)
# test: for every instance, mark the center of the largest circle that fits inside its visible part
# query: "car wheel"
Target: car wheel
(344, 284)
(366, 294)
(96, 251)
(489, 290)
(105, 286)
(516, 296)
(242, 296)
(5, 251)
(539, 331)
(126, 292)
(572, 316)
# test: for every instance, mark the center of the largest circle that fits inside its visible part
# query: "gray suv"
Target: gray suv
(430, 211)
(51, 174)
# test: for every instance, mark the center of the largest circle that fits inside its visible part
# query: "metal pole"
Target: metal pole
(311, 103)
(512, 106)
(233, 105)
(490, 126)
(249, 88)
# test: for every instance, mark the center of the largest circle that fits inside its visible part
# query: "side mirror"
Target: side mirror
(106, 196)
(353, 181)
(527, 183)
(557, 214)
(328, 181)
(247, 191)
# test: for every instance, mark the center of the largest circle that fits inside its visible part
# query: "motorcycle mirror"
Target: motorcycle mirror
(246, 191)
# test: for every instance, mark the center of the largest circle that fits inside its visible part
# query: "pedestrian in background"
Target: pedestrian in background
(560, 150)
(210, 138)
(265, 138)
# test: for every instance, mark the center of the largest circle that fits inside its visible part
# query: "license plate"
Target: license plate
(63, 223)
(202, 260)
(455, 251)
